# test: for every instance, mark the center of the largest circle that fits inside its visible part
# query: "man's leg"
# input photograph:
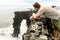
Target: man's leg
(55, 32)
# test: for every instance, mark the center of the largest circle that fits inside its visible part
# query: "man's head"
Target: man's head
(36, 6)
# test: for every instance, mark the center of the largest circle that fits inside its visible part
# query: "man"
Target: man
(50, 13)
(47, 21)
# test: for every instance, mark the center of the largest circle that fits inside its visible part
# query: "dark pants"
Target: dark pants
(49, 25)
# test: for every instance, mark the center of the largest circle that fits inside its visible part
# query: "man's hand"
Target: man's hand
(31, 17)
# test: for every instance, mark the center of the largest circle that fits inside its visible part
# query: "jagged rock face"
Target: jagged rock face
(36, 26)
(23, 14)
(34, 30)
(19, 16)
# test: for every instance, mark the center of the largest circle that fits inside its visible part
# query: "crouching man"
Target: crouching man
(50, 13)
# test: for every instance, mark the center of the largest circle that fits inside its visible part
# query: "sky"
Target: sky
(26, 3)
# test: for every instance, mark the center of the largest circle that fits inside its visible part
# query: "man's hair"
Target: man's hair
(36, 5)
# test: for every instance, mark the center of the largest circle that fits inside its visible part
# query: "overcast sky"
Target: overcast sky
(26, 3)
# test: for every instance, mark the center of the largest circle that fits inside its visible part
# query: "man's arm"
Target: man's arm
(37, 15)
